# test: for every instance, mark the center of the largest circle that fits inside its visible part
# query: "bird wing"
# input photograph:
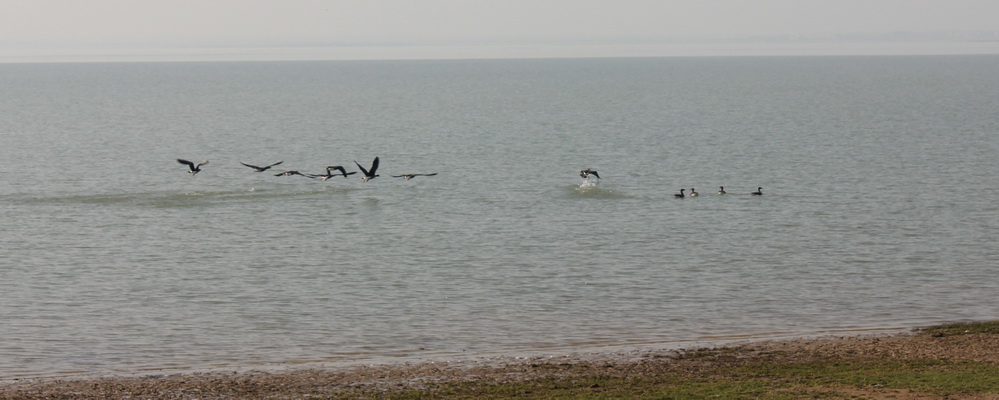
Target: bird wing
(277, 163)
(374, 167)
(251, 166)
(338, 168)
(362, 168)
(202, 163)
(187, 163)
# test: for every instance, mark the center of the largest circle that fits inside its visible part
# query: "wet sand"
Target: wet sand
(378, 380)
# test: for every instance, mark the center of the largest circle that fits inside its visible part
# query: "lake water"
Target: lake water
(880, 181)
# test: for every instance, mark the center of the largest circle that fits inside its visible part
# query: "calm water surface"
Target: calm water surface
(879, 211)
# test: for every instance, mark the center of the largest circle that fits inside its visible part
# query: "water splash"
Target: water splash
(588, 185)
(591, 189)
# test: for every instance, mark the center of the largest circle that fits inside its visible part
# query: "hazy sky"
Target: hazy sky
(37, 25)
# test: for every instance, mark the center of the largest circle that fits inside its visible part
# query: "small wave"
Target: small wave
(168, 199)
(98, 199)
(230, 196)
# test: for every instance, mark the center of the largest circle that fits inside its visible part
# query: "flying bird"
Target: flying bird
(339, 168)
(411, 176)
(194, 168)
(261, 169)
(290, 173)
(587, 172)
(330, 174)
(369, 174)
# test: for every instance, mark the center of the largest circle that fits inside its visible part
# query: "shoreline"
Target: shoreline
(454, 356)
(364, 379)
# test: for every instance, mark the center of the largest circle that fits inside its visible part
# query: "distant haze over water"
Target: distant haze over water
(897, 43)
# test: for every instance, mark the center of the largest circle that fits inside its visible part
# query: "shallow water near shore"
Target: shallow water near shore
(878, 173)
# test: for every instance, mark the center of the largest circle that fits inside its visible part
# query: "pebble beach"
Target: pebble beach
(380, 380)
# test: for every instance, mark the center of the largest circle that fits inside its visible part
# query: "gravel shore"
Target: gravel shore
(372, 381)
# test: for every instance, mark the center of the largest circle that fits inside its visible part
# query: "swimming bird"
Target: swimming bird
(290, 173)
(587, 172)
(194, 168)
(369, 174)
(411, 176)
(693, 193)
(330, 174)
(758, 192)
(721, 190)
(679, 195)
(261, 169)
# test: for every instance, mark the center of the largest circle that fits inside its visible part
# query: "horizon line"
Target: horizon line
(496, 51)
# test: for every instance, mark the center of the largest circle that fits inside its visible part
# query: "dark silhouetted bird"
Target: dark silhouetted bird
(369, 174)
(261, 169)
(194, 168)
